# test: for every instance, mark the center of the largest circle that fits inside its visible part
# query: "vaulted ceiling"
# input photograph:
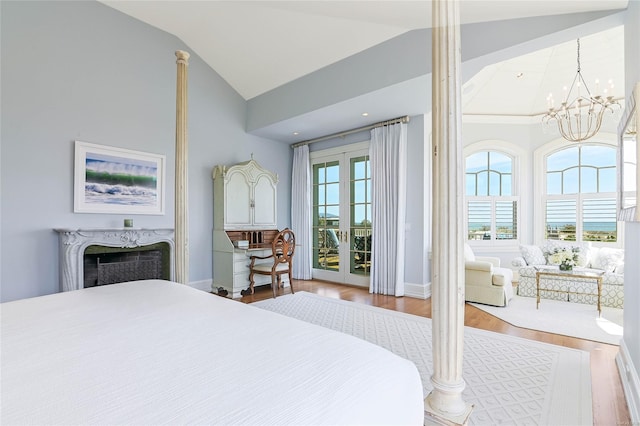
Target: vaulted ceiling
(257, 46)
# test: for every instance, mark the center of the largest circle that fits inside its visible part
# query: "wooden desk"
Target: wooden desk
(570, 274)
(231, 264)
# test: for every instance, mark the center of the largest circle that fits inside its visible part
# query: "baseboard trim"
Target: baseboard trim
(419, 291)
(630, 382)
(204, 285)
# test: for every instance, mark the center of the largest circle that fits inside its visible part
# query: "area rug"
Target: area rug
(554, 316)
(509, 380)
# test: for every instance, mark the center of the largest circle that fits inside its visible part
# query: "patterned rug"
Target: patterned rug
(510, 380)
(558, 317)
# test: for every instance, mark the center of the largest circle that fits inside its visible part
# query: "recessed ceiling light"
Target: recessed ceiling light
(520, 74)
(365, 114)
(296, 133)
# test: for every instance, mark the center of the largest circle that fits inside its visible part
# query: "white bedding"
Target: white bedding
(156, 352)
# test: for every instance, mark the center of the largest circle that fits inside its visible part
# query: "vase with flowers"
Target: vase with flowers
(566, 259)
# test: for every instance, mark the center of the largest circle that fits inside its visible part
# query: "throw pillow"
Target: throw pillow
(533, 255)
(608, 259)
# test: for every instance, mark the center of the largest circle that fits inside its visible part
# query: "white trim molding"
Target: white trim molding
(73, 243)
(630, 382)
(417, 291)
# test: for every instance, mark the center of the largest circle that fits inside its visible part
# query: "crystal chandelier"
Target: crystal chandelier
(580, 119)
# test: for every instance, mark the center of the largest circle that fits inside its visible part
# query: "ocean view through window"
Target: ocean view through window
(580, 202)
(491, 207)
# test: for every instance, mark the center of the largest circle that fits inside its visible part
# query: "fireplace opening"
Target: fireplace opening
(109, 265)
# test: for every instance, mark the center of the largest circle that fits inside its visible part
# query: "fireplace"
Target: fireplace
(110, 265)
(90, 257)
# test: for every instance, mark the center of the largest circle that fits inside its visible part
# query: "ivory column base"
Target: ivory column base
(433, 416)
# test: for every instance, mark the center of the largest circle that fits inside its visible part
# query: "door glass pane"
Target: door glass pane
(333, 172)
(322, 193)
(333, 193)
(358, 212)
(332, 216)
(359, 170)
(360, 191)
(360, 226)
(326, 216)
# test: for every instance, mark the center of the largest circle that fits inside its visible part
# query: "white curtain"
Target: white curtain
(301, 212)
(388, 159)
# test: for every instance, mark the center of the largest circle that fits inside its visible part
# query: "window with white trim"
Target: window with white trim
(580, 195)
(491, 206)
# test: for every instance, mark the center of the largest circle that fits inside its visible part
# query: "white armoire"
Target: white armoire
(244, 209)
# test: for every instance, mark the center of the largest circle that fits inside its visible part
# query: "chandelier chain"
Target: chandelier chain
(578, 55)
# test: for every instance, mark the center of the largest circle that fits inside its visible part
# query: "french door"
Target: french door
(342, 216)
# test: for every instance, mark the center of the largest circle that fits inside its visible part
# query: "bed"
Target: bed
(158, 352)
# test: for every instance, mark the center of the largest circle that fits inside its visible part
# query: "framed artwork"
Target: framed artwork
(117, 180)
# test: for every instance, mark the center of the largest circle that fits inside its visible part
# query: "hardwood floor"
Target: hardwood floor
(609, 405)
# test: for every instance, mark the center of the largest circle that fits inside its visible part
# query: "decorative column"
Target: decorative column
(182, 180)
(444, 405)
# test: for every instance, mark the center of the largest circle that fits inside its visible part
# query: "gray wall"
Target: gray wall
(83, 71)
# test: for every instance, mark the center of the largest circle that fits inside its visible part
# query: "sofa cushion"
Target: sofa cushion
(608, 259)
(532, 255)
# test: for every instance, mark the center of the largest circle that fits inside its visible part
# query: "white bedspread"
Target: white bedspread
(155, 352)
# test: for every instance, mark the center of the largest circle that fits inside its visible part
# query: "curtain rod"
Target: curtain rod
(404, 119)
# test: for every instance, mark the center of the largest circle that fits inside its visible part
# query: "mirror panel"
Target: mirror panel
(628, 160)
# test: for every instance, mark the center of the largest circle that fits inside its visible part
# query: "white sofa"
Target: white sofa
(610, 261)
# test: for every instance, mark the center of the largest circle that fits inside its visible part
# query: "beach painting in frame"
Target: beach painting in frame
(117, 180)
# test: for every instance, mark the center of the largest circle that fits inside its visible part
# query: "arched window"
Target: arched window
(580, 195)
(491, 207)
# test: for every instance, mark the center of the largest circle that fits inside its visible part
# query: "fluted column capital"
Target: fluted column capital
(183, 57)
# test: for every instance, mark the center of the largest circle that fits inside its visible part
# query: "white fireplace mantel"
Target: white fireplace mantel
(73, 243)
